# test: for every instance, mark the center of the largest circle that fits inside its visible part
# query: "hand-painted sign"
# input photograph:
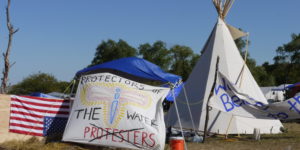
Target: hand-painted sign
(228, 98)
(113, 111)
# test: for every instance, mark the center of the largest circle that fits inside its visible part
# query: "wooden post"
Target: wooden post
(226, 135)
(210, 95)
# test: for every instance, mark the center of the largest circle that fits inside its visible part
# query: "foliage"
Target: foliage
(40, 82)
(289, 52)
(111, 50)
(259, 73)
(286, 67)
(156, 53)
(183, 61)
(178, 60)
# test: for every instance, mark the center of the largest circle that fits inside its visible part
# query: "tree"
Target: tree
(156, 53)
(183, 62)
(7, 65)
(286, 67)
(40, 82)
(289, 52)
(110, 50)
(259, 73)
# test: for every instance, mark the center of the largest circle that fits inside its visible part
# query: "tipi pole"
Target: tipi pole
(245, 60)
(229, 124)
(177, 113)
(210, 95)
(241, 79)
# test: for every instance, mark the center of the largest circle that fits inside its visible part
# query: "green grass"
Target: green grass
(285, 141)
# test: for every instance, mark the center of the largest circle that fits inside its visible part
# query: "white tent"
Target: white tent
(274, 93)
(200, 83)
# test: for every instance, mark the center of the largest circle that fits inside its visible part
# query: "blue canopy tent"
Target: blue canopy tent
(140, 68)
(176, 90)
(43, 95)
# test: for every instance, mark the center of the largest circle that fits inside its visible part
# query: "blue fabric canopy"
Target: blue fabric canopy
(38, 94)
(176, 90)
(137, 67)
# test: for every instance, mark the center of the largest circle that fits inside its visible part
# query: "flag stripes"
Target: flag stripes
(28, 113)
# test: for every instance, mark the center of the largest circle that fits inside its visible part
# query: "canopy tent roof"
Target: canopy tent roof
(133, 66)
(38, 94)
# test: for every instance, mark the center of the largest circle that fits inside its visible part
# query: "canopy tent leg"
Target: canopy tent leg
(177, 113)
(190, 112)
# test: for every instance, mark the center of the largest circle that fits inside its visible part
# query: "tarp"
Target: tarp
(38, 94)
(114, 111)
(293, 85)
(176, 90)
(135, 66)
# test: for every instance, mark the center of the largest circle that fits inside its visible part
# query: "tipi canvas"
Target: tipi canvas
(220, 46)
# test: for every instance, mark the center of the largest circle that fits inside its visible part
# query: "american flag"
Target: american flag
(37, 116)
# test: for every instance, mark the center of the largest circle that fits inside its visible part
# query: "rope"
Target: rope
(191, 104)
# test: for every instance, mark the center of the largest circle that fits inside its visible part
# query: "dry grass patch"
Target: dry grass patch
(285, 141)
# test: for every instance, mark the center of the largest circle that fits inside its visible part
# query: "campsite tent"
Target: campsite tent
(292, 89)
(274, 93)
(138, 68)
(220, 44)
(111, 103)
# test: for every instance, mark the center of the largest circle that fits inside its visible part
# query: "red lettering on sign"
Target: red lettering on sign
(135, 136)
(144, 136)
(151, 138)
(86, 130)
(121, 136)
(114, 133)
(128, 135)
(94, 132)
(107, 132)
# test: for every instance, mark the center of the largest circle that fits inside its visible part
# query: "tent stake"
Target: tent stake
(210, 95)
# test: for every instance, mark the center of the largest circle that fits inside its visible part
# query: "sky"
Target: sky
(60, 37)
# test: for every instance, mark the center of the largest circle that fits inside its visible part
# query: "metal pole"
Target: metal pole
(185, 146)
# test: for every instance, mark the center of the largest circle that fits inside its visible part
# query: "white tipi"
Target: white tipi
(200, 82)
